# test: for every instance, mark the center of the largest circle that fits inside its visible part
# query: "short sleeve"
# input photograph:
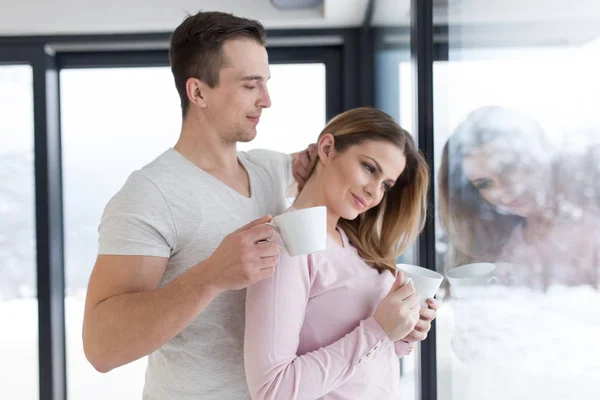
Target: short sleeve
(137, 221)
(279, 163)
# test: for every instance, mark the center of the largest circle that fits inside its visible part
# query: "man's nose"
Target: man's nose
(265, 99)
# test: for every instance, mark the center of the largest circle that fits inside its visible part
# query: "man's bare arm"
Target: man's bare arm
(127, 317)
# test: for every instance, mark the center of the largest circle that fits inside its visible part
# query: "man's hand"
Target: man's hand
(426, 315)
(244, 257)
(302, 163)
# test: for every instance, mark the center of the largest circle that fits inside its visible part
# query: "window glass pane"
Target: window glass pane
(517, 153)
(297, 114)
(132, 116)
(394, 95)
(18, 287)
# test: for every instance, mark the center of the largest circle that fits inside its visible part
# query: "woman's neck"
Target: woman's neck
(312, 196)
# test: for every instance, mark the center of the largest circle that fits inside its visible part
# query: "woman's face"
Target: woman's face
(357, 179)
(507, 178)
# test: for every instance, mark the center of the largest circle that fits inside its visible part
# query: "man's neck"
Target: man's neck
(203, 146)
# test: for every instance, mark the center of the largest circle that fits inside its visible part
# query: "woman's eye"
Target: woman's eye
(369, 167)
(249, 87)
(483, 184)
(386, 186)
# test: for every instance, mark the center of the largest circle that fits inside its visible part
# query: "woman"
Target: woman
(503, 199)
(332, 325)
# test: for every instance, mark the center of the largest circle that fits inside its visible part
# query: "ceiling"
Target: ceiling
(550, 21)
(132, 16)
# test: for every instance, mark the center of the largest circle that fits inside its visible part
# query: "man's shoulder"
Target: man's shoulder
(265, 157)
(170, 172)
(165, 164)
(151, 181)
(272, 164)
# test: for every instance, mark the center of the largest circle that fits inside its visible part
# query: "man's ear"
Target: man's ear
(196, 91)
(326, 147)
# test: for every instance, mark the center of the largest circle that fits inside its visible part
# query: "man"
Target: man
(175, 245)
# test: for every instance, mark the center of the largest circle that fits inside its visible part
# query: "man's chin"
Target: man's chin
(246, 137)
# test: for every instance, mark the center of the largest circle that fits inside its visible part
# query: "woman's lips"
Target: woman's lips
(518, 202)
(360, 202)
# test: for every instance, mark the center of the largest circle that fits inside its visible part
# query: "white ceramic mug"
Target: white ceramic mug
(426, 281)
(476, 274)
(302, 231)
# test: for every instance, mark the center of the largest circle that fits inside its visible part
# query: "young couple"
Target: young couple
(177, 248)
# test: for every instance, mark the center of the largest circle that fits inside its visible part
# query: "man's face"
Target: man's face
(235, 105)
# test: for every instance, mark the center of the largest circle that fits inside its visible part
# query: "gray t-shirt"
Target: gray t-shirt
(171, 208)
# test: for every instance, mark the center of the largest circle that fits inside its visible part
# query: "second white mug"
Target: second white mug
(426, 281)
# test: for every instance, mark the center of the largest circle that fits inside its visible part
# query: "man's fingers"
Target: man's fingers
(267, 262)
(312, 151)
(256, 222)
(259, 233)
(266, 273)
(267, 249)
(305, 159)
(302, 173)
(297, 177)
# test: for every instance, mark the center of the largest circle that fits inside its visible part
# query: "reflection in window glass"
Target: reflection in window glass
(519, 189)
(18, 297)
(123, 125)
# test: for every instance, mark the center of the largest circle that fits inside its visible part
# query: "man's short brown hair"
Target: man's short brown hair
(196, 47)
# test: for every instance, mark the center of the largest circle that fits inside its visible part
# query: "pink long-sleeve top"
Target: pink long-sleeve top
(310, 331)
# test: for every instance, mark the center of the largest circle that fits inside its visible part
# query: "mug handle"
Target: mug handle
(272, 225)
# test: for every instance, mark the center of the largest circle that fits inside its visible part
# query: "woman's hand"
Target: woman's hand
(398, 312)
(422, 328)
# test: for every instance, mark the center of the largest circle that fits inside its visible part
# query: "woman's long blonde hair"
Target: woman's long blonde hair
(382, 233)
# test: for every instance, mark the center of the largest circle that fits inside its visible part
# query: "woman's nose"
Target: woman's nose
(372, 189)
